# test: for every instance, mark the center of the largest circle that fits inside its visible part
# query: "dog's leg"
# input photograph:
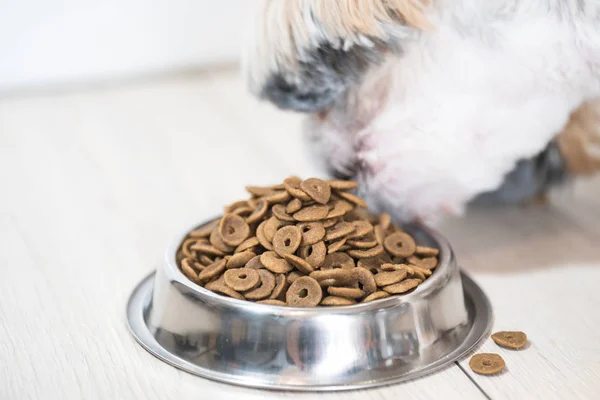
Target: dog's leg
(575, 152)
(579, 142)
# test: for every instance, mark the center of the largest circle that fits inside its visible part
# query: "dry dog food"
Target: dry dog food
(487, 363)
(511, 340)
(305, 243)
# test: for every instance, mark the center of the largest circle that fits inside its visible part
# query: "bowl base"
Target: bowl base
(439, 355)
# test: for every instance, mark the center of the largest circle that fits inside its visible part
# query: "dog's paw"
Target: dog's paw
(304, 55)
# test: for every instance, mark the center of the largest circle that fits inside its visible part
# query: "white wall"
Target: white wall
(49, 42)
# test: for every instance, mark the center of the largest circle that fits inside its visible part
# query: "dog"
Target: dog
(432, 105)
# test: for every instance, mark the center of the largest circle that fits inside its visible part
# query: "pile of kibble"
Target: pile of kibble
(305, 243)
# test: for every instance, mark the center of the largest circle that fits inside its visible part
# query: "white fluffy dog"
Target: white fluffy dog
(433, 104)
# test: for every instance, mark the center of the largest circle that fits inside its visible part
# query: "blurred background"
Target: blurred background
(73, 42)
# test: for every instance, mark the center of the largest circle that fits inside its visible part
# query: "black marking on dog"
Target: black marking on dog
(324, 76)
(529, 178)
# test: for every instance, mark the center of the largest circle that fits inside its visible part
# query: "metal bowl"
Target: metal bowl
(310, 349)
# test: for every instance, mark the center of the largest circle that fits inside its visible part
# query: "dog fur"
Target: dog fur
(430, 104)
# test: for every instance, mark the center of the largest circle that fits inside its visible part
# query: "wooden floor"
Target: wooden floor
(95, 183)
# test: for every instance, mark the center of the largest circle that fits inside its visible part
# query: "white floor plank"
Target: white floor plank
(540, 270)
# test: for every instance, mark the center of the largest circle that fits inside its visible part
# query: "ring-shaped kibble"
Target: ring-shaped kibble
(259, 191)
(328, 223)
(318, 190)
(188, 271)
(376, 261)
(385, 220)
(311, 213)
(379, 233)
(400, 244)
(417, 274)
(205, 248)
(243, 211)
(337, 301)
(338, 260)
(352, 198)
(233, 230)
(346, 292)
(376, 296)
(254, 263)
(247, 244)
(271, 227)
(205, 230)
(339, 209)
(279, 212)
(274, 263)
(280, 287)
(487, 363)
(336, 246)
(235, 205)
(215, 269)
(366, 253)
(510, 339)
(304, 292)
(339, 230)
(299, 263)
(424, 271)
(361, 228)
(287, 240)
(217, 241)
(365, 279)
(277, 197)
(238, 260)
(192, 264)
(389, 278)
(292, 276)
(341, 276)
(265, 286)
(205, 260)
(403, 286)
(293, 206)
(292, 186)
(427, 262)
(312, 232)
(262, 237)
(186, 248)
(366, 242)
(262, 206)
(342, 184)
(314, 254)
(241, 279)
(219, 286)
(425, 251)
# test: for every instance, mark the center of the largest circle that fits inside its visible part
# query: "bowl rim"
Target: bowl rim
(443, 273)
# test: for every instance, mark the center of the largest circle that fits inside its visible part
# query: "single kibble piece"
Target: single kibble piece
(311, 213)
(400, 244)
(487, 363)
(312, 232)
(337, 301)
(233, 230)
(241, 279)
(317, 189)
(287, 240)
(265, 286)
(510, 339)
(304, 292)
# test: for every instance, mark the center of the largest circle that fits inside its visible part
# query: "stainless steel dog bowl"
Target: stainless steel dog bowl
(310, 349)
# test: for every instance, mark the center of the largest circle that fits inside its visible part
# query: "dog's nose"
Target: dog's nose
(304, 96)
